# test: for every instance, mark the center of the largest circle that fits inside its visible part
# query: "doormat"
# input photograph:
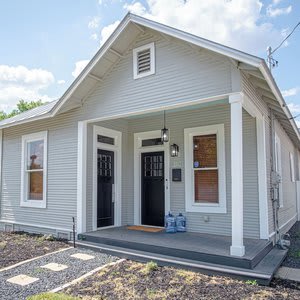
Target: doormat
(144, 228)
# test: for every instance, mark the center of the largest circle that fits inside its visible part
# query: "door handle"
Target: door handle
(167, 184)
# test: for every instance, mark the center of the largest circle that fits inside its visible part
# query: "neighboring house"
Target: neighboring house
(96, 153)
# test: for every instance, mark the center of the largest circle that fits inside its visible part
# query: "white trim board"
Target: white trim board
(117, 149)
(138, 150)
(285, 224)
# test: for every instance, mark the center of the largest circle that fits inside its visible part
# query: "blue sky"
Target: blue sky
(45, 44)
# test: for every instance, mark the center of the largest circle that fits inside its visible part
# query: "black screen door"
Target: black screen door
(152, 188)
(105, 181)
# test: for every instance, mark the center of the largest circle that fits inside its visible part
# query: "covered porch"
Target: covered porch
(122, 141)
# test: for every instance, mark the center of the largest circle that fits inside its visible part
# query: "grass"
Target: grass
(252, 282)
(150, 267)
(52, 296)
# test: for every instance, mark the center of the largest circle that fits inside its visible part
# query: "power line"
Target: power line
(273, 51)
(271, 61)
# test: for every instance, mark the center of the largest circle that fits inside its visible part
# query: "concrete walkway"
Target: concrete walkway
(288, 273)
(49, 272)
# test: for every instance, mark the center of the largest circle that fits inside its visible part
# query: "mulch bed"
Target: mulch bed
(293, 257)
(19, 246)
(131, 280)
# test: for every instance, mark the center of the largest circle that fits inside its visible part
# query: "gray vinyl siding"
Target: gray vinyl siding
(61, 174)
(289, 209)
(177, 121)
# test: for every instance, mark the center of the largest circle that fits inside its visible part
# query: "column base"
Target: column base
(237, 250)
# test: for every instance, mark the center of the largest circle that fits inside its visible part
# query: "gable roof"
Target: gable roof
(126, 32)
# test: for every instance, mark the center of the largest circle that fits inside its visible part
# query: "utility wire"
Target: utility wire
(285, 38)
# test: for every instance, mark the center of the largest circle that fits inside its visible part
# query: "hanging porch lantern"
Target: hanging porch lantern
(165, 131)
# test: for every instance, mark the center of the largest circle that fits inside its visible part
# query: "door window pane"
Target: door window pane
(205, 151)
(206, 186)
(105, 139)
(35, 155)
(35, 185)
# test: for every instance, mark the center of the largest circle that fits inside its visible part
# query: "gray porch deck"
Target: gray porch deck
(195, 246)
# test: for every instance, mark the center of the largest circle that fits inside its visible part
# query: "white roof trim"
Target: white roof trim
(198, 41)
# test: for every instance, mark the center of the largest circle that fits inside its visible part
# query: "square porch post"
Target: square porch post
(81, 177)
(236, 110)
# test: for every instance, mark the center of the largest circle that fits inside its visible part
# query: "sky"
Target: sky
(44, 45)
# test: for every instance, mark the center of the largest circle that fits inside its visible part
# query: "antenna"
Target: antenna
(271, 61)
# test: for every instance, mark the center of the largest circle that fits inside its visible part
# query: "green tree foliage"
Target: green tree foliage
(22, 106)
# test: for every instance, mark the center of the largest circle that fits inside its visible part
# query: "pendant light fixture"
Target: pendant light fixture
(165, 131)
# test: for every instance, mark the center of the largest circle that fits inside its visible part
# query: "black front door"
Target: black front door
(152, 187)
(105, 181)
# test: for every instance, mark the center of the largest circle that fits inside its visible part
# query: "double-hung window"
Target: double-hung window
(34, 170)
(205, 184)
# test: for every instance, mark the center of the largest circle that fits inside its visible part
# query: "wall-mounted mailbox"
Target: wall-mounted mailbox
(176, 174)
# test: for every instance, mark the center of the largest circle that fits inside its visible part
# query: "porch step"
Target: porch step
(184, 253)
(263, 272)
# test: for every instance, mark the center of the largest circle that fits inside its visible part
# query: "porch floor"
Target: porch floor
(197, 246)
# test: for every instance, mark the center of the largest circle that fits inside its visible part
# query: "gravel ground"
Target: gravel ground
(129, 280)
(17, 246)
(293, 258)
(48, 279)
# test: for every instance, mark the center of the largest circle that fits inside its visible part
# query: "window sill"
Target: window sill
(34, 204)
(206, 208)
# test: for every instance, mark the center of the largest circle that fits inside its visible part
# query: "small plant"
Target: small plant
(296, 254)
(3, 245)
(251, 282)
(151, 266)
(51, 296)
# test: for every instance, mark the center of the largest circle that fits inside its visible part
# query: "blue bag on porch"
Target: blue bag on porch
(170, 223)
(181, 223)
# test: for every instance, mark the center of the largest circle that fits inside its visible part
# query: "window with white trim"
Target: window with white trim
(143, 61)
(205, 182)
(292, 167)
(34, 170)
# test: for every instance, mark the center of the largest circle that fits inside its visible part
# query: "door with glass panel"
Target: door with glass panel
(105, 190)
(152, 188)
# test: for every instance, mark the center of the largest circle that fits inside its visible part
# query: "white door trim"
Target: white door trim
(138, 150)
(117, 149)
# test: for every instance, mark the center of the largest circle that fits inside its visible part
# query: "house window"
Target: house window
(292, 167)
(143, 61)
(105, 139)
(205, 169)
(34, 170)
(152, 142)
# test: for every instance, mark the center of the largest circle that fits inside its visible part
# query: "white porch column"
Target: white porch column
(236, 107)
(81, 177)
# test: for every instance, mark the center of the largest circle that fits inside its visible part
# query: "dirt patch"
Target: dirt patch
(19, 246)
(293, 257)
(131, 280)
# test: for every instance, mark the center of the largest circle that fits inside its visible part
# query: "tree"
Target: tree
(22, 106)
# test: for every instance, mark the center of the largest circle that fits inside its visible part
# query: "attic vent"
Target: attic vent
(143, 61)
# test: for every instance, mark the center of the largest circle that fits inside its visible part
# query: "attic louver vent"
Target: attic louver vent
(143, 61)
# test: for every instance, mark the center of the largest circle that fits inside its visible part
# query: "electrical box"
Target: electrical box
(176, 175)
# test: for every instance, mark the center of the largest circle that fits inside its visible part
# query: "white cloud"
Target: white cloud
(238, 24)
(107, 31)
(94, 23)
(61, 81)
(291, 92)
(22, 83)
(94, 36)
(275, 11)
(79, 66)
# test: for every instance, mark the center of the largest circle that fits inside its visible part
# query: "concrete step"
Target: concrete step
(263, 272)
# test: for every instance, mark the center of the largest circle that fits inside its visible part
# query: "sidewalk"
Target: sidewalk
(49, 272)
